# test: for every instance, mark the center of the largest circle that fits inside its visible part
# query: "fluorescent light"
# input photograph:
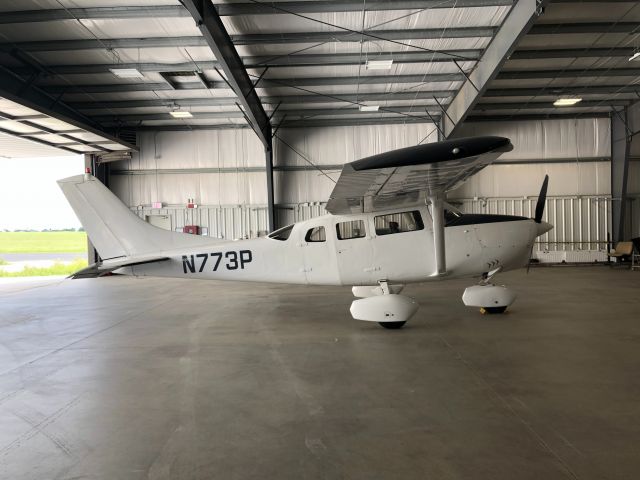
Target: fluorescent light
(369, 108)
(379, 64)
(634, 56)
(566, 102)
(180, 114)
(126, 72)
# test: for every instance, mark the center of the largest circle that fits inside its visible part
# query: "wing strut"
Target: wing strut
(437, 212)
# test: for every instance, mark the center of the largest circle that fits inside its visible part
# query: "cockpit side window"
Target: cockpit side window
(281, 234)
(398, 223)
(315, 234)
(352, 229)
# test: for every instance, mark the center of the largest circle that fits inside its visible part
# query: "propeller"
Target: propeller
(542, 198)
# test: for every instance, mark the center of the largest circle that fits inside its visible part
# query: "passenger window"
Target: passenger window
(315, 234)
(353, 229)
(398, 223)
(281, 234)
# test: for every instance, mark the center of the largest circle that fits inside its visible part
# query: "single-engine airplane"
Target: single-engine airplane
(388, 225)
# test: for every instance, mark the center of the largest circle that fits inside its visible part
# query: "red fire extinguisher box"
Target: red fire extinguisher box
(192, 229)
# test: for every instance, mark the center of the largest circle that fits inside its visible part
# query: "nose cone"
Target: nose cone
(543, 227)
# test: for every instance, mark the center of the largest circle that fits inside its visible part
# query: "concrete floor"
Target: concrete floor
(120, 378)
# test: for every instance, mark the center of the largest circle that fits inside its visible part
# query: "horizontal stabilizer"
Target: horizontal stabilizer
(99, 269)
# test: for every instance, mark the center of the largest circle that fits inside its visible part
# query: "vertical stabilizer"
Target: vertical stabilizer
(114, 230)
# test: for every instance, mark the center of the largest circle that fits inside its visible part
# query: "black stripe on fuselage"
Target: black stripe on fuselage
(478, 218)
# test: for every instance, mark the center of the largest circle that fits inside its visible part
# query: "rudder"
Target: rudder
(114, 230)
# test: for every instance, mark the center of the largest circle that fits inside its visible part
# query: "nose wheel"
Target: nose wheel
(491, 299)
(492, 310)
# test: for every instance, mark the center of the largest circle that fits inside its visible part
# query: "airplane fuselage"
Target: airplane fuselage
(358, 249)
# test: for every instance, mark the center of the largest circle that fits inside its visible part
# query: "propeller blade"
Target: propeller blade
(529, 262)
(542, 198)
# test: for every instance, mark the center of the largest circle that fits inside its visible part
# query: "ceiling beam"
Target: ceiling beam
(285, 99)
(337, 122)
(267, 82)
(481, 107)
(594, 1)
(572, 73)
(572, 53)
(216, 37)
(558, 90)
(232, 9)
(248, 39)
(568, 28)
(405, 111)
(14, 88)
(520, 19)
(347, 122)
(535, 116)
(346, 36)
(273, 61)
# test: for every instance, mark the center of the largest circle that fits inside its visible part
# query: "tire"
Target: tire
(492, 310)
(392, 325)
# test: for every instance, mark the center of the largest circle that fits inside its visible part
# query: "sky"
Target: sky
(29, 195)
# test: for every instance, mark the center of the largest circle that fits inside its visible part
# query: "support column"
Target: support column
(92, 253)
(271, 213)
(620, 142)
(101, 172)
(437, 213)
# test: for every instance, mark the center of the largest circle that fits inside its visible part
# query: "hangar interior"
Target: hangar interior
(236, 118)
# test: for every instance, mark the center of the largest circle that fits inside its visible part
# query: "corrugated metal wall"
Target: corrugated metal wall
(223, 170)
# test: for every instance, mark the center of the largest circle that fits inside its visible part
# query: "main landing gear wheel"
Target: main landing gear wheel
(392, 325)
(490, 310)
(383, 306)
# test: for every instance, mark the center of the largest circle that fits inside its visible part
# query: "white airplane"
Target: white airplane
(388, 226)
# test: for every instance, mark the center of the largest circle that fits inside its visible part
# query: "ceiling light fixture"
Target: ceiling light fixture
(635, 56)
(180, 114)
(566, 102)
(126, 72)
(379, 64)
(369, 108)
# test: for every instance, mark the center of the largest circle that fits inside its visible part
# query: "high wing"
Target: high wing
(411, 175)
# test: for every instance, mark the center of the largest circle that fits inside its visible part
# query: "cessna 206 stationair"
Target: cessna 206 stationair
(388, 225)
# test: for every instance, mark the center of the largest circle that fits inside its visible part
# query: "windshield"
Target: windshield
(281, 234)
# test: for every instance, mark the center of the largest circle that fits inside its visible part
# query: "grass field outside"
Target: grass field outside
(43, 242)
(55, 269)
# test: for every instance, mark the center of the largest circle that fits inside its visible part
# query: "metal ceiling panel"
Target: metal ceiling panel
(391, 20)
(18, 147)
